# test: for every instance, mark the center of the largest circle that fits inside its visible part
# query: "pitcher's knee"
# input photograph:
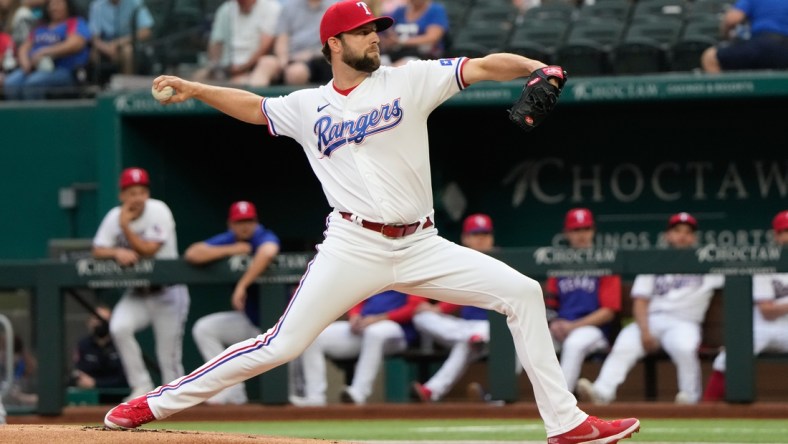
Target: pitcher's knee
(526, 290)
(200, 329)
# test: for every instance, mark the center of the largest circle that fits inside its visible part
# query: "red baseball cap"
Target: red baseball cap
(780, 222)
(683, 218)
(346, 15)
(134, 176)
(242, 210)
(578, 218)
(477, 223)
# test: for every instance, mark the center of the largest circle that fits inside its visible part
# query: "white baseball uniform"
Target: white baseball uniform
(678, 304)
(370, 151)
(163, 307)
(339, 341)
(454, 333)
(768, 335)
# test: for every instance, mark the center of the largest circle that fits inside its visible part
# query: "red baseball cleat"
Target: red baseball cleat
(423, 393)
(597, 431)
(129, 415)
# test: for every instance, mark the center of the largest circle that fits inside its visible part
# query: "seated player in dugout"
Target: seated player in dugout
(581, 307)
(212, 333)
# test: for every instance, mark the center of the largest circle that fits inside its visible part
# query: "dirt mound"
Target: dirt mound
(65, 434)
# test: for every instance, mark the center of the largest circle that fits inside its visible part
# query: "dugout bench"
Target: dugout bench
(48, 279)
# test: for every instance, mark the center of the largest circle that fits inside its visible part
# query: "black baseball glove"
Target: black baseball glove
(538, 97)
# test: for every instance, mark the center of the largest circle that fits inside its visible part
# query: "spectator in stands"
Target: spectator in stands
(96, 361)
(16, 20)
(7, 52)
(242, 33)
(214, 332)
(115, 24)
(143, 228)
(668, 311)
(52, 55)
(770, 316)
(25, 370)
(384, 7)
(581, 307)
(37, 6)
(464, 330)
(378, 326)
(297, 58)
(419, 30)
(767, 45)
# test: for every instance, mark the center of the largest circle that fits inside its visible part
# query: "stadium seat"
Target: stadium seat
(646, 47)
(610, 9)
(180, 33)
(558, 11)
(648, 10)
(694, 39)
(457, 10)
(588, 47)
(478, 39)
(716, 7)
(492, 11)
(538, 40)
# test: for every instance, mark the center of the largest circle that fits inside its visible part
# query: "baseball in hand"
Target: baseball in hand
(163, 94)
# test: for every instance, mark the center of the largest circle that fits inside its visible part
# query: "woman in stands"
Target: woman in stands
(53, 54)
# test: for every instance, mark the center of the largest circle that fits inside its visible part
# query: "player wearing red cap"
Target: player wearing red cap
(581, 307)
(143, 227)
(365, 136)
(769, 316)
(214, 332)
(668, 311)
(464, 330)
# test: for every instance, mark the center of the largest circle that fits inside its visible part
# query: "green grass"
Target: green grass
(652, 430)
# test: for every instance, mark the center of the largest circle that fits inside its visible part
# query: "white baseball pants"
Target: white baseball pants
(453, 333)
(353, 263)
(380, 339)
(679, 338)
(766, 336)
(212, 334)
(580, 343)
(166, 312)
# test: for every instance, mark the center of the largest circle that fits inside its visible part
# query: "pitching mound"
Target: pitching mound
(65, 434)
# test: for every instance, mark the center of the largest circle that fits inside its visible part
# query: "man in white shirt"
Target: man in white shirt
(143, 228)
(242, 33)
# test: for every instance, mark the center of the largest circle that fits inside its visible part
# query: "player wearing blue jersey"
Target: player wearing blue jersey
(580, 307)
(214, 332)
(464, 330)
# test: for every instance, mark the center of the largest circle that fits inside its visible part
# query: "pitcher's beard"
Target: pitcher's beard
(364, 63)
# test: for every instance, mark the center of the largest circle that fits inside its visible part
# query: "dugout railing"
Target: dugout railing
(50, 280)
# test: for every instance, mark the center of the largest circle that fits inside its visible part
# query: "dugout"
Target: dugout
(632, 149)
